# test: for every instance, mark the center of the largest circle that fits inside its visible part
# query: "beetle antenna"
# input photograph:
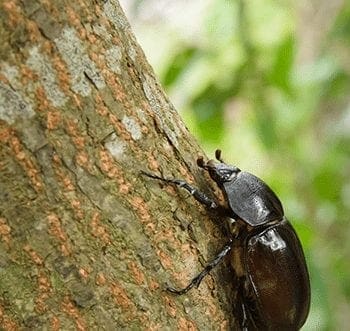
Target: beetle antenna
(218, 155)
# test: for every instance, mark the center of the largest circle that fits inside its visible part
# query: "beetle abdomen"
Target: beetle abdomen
(279, 278)
(252, 200)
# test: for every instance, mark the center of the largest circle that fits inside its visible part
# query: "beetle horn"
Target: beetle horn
(218, 155)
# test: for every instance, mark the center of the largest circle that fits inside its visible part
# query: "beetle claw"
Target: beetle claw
(175, 291)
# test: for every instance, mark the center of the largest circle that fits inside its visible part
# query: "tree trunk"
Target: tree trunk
(86, 243)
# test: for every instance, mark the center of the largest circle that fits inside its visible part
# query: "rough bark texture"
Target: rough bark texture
(86, 243)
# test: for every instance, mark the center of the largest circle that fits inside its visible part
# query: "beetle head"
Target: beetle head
(219, 172)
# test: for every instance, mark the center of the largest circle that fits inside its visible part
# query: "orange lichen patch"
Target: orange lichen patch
(72, 129)
(115, 86)
(62, 73)
(66, 181)
(98, 12)
(170, 306)
(26, 163)
(136, 273)
(139, 205)
(165, 260)
(85, 11)
(47, 47)
(184, 324)
(33, 31)
(62, 177)
(72, 311)
(185, 174)
(166, 235)
(100, 106)
(152, 162)
(76, 205)
(82, 33)
(100, 279)
(56, 230)
(73, 18)
(44, 291)
(146, 107)
(153, 285)
(172, 190)
(182, 170)
(151, 228)
(13, 12)
(120, 297)
(55, 324)
(5, 135)
(5, 231)
(79, 142)
(82, 159)
(144, 129)
(154, 327)
(92, 40)
(97, 57)
(53, 119)
(109, 167)
(43, 104)
(27, 75)
(120, 129)
(36, 258)
(98, 230)
(7, 323)
(83, 273)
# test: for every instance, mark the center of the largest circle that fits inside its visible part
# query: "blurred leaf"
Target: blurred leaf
(320, 317)
(341, 27)
(266, 126)
(181, 60)
(280, 72)
(326, 183)
(208, 111)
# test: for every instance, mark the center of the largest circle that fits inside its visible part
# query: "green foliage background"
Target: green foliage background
(268, 82)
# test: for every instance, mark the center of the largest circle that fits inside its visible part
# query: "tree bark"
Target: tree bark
(86, 243)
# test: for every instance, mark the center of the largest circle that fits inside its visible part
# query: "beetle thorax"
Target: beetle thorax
(221, 172)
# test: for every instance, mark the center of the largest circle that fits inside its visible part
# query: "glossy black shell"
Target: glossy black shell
(276, 269)
(252, 200)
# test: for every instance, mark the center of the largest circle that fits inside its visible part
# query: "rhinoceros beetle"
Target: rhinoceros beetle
(266, 255)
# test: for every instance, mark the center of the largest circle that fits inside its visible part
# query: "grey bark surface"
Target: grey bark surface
(86, 243)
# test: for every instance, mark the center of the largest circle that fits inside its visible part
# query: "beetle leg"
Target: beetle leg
(197, 280)
(198, 195)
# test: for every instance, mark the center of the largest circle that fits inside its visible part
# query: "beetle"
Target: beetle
(266, 255)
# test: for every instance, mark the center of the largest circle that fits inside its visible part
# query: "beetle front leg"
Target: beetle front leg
(198, 195)
(197, 280)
